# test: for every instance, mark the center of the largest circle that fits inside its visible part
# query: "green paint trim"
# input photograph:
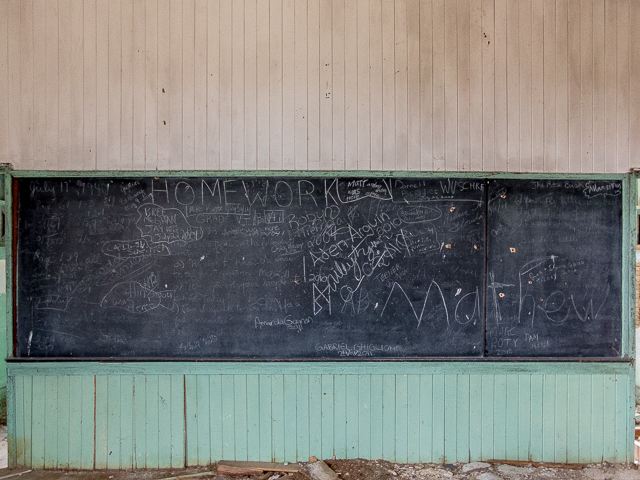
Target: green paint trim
(317, 368)
(8, 253)
(309, 174)
(11, 422)
(625, 341)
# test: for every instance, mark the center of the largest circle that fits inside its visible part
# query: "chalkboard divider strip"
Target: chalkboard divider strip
(11, 239)
(484, 280)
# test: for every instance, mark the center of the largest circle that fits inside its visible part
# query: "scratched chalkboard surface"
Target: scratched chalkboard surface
(554, 261)
(243, 268)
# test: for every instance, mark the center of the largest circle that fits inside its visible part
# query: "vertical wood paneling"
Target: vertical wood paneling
(548, 418)
(524, 417)
(277, 418)
(401, 420)
(560, 420)
(364, 416)
(21, 437)
(438, 420)
(290, 430)
(375, 83)
(238, 132)
(11, 60)
(425, 417)
(288, 85)
(138, 86)
(345, 408)
(475, 417)
(327, 409)
(4, 77)
(64, 422)
(413, 418)
(140, 424)
(450, 416)
(188, 84)
(240, 416)
(512, 415)
(408, 84)
(215, 416)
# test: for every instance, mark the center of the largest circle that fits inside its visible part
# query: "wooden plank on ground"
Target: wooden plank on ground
(228, 467)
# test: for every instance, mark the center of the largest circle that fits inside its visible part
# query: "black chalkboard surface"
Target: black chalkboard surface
(270, 267)
(554, 257)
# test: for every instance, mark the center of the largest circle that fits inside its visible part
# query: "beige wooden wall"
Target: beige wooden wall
(517, 85)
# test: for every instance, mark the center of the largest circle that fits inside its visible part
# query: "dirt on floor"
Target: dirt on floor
(356, 470)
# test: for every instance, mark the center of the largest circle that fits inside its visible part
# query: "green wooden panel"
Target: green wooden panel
(512, 416)
(63, 417)
(584, 409)
(76, 397)
(364, 416)
(277, 418)
(548, 418)
(113, 421)
(413, 415)
(346, 413)
(51, 422)
(524, 417)
(402, 412)
(462, 419)
(290, 401)
(102, 418)
(315, 414)
(562, 398)
(192, 418)
(438, 432)
(240, 417)
(215, 416)
(487, 416)
(33, 368)
(253, 418)
(609, 418)
(37, 422)
(165, 421)
(622, 424)
(228, 418)
(573, 418)
(426, 418)
(126, 422)
(203, 420)
(265, 419)
(475, 418)
(537, 400)
(345, 436)
(376, 416)
(302, 417)
(450, 417)
(140, 420)
(88, 420)
(153, 421)
(499, 417)
(177, 421)
(389, 417)
(597, 418)
(20, 425)
(327, 417)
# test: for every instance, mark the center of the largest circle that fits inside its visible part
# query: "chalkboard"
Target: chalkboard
(250, 268)
(554, 275)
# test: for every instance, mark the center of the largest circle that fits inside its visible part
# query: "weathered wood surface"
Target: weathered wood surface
(485, 85)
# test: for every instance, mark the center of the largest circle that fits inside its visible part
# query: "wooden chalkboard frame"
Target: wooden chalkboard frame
(628, 248)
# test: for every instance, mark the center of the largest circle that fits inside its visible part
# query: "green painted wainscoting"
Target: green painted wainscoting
(149, 415)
